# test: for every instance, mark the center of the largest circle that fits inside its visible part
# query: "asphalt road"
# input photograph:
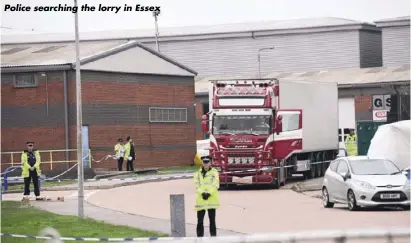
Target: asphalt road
(247, 211)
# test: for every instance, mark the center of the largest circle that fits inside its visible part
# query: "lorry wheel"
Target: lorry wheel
(312, 171)
(275, 184)
(318, 170)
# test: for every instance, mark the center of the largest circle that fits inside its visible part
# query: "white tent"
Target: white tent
(392, 141)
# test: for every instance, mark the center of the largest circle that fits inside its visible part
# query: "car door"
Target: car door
(331, 177)
(340, 184)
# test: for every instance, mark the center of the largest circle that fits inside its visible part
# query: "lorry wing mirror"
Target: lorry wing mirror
(204, 123)
(279, 124)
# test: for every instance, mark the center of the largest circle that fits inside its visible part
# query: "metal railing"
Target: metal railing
(48, 157)
(397, 235)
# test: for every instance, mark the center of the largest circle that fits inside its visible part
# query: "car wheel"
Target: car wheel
(406, 208)
(352, 202)
(326, 199)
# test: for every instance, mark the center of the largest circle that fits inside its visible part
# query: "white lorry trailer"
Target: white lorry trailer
(262, 131)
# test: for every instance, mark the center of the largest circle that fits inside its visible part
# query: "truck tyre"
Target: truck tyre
(311, 173)
(275, 184)
(320, 165)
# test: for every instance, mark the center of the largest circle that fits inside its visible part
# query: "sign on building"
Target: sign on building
(381, 104)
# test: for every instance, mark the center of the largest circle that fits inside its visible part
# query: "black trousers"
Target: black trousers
(32, 177)
(200, 222)
(130, 165)
(120, 163)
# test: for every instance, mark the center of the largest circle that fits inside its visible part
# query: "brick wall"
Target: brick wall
(363, 108)
(157, 145)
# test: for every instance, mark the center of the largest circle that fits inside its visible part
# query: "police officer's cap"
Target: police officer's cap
(30, 143)
(128, 138)
(120, 140)
(206, 160)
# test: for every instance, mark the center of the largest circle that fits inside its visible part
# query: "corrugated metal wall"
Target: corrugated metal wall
(396, 45)
(370, 49)
(297, 52)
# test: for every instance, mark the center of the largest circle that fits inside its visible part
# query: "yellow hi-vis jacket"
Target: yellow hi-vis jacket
(351, 145)
(119, 149)
(26, 166)
(127, 148)
(209, 183)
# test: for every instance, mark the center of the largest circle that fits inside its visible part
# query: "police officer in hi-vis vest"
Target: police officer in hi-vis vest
(30, 162)
(207, 183)
(119, 149)
(351, 144)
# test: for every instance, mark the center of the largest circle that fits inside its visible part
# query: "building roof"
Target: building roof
(143, 60)
(295, 25)
(391, 22)
(346, 78)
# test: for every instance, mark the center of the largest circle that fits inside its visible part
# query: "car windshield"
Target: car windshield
(235, 124)
(373, 167)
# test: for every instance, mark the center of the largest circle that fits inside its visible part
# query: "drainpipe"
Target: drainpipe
(47, 93)
(66, 124)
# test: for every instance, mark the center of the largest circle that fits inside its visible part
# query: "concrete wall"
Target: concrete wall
(114, 105)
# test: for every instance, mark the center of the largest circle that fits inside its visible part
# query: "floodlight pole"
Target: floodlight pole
(80, 166)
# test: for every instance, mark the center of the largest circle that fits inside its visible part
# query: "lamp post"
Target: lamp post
(259, 63)
(156, 13)
(80, 168)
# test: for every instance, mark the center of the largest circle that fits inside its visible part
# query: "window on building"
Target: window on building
(25, 80)
(161, 114)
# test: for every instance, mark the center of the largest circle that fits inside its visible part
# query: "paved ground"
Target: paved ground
(243, 211)
(247, 211)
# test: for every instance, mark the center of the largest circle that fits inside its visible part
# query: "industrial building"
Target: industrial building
(395, 40)
(233, 49)
(127, 90)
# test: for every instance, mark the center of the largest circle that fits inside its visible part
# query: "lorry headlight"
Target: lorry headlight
(364, 184)
(230, 160)
(267, 168)
(217, 168)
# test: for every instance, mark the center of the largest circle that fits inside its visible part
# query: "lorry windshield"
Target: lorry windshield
(235, 124)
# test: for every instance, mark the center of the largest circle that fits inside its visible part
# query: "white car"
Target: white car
(359, 181)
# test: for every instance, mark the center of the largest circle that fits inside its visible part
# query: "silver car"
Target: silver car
(363, 182)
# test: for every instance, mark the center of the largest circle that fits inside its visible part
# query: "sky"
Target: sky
(190, 12)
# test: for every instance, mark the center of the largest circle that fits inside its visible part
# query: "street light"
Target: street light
(80, 168)
(259, 63)
(156, 13)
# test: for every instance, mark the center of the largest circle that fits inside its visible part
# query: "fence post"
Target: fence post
(6, 184)
(177, 215)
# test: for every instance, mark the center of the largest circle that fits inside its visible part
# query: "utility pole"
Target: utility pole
(259, 61)
(80, 167)
(156, 13)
